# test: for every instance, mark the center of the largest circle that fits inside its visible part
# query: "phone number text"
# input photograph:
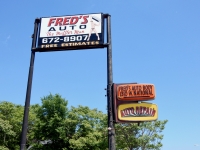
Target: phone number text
(55, 40)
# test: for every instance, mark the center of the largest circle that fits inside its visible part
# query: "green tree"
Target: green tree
(56, 127)
(146, 136)
(10, 124)
(53, 126)
(3, 148)
(50, 127)
(32, 119)
(6, 132)
(89, 129)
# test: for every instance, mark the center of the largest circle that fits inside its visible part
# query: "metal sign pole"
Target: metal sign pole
(111, 129)
(28, 90)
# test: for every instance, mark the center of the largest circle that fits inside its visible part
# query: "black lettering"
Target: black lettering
(72, 27)
(61, 29)
(52, 29)
(82, 27)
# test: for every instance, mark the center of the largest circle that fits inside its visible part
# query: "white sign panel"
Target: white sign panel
(71, 31)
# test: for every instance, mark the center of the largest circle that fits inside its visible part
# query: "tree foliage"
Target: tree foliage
(57, 127)
(89, 129)
(11, 117)
(52, 125)
(10, 125)
(146, 136)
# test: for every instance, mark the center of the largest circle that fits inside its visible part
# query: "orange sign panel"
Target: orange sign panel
(136, 92)
(137, 112)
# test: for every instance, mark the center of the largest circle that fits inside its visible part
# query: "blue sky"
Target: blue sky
(155, 41)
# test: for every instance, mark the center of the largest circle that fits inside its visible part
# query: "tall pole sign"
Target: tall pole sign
(129, 105)
(74, 32)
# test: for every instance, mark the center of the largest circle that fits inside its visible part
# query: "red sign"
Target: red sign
(135, 92)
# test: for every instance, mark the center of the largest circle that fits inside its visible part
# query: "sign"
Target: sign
(68, 32)
(137, 112)
(135, 92)
(125, 102)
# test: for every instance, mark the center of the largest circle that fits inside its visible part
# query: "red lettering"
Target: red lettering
(122, 113)
(132, 110)
(147, 111)
(127, 112)
(144, 110)
(153, 112)
(141, 110)
(59, 21)
(85, 20)
(50, 34)
(137, 110)
(78, 31)
(66, 21)
(74, 20)
(51, 21)
(150, 111)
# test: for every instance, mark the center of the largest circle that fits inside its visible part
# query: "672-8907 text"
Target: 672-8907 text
(65, 39)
